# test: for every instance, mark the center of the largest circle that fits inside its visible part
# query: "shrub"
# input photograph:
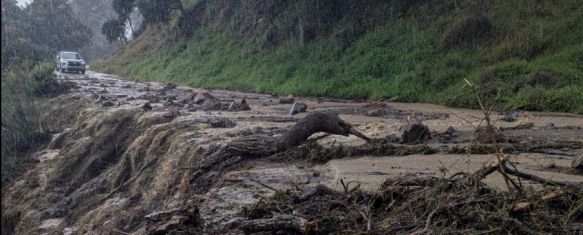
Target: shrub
(21, 127)
(467, 29)
(44, 84)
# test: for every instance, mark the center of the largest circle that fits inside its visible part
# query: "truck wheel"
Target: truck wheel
(82, 71)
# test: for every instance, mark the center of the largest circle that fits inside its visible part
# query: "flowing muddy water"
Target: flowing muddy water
(545, 148)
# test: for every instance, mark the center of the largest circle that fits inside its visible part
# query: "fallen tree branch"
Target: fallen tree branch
(488, 168)
(279, 222)
(539, 179)
(427, 181)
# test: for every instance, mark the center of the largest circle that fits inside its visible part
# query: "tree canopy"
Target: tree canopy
(38, 30)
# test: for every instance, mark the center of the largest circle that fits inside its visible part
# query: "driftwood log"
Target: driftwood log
(206, 170)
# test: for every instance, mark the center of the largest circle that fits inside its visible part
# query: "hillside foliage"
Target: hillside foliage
(523, 54)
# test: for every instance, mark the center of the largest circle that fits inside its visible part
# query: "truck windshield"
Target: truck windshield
(71, 56)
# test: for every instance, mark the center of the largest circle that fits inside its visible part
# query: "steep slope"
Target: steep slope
(528, 51)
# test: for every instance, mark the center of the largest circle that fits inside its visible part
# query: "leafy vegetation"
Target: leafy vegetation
(36, 32)
(114, 31)
(30, 36)
(418, 51)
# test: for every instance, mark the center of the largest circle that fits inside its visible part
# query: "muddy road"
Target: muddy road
(121, 152)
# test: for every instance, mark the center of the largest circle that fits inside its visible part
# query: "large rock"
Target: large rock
(298, 107)
(203, 97)
(415, 132)
(578, 162)
(147, 107)
(239, 106)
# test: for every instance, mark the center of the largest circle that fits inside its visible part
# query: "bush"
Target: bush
(44, 84)
(467, 29)
(20, 113)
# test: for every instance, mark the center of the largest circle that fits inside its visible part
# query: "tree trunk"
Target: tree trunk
(131, 26)
(301, 33)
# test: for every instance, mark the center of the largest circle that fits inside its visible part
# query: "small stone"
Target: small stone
(172, 113)
(169, 86)
(298, 107)
(168, 103)
(107, 104)
(147, 107)
(577, 163)
(550, 126)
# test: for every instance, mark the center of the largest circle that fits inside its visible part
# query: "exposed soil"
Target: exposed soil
(115, 167)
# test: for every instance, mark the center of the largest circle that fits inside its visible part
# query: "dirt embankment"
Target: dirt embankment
(123, 153)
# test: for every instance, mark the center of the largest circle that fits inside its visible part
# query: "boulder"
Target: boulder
(147, 107)
(448, 135)
(203, 97)
(298, 107)
(239, 106)
(415, 132)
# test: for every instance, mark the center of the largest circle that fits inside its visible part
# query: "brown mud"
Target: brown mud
(114, 167)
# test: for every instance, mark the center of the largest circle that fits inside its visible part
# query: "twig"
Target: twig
(458, 173)
(263, 184)
(120, 232)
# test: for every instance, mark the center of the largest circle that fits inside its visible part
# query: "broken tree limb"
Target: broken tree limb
(488, 168)
(210, 166)
(539, 179)
(427, 181)
(280, 222)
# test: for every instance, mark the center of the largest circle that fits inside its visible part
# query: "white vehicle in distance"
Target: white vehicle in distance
(70, 61)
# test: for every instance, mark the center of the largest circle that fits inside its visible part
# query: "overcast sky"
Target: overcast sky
(23, 2)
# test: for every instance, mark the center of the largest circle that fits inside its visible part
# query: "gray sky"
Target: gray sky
(23, 2)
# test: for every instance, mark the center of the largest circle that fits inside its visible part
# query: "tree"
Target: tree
(156, 11)
(114, 31)
(39, 30)
(124, 8)
(53, 24)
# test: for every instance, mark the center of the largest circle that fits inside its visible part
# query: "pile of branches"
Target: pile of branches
(459, 204)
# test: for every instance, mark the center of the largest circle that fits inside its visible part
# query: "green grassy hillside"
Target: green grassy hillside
(521, 54)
